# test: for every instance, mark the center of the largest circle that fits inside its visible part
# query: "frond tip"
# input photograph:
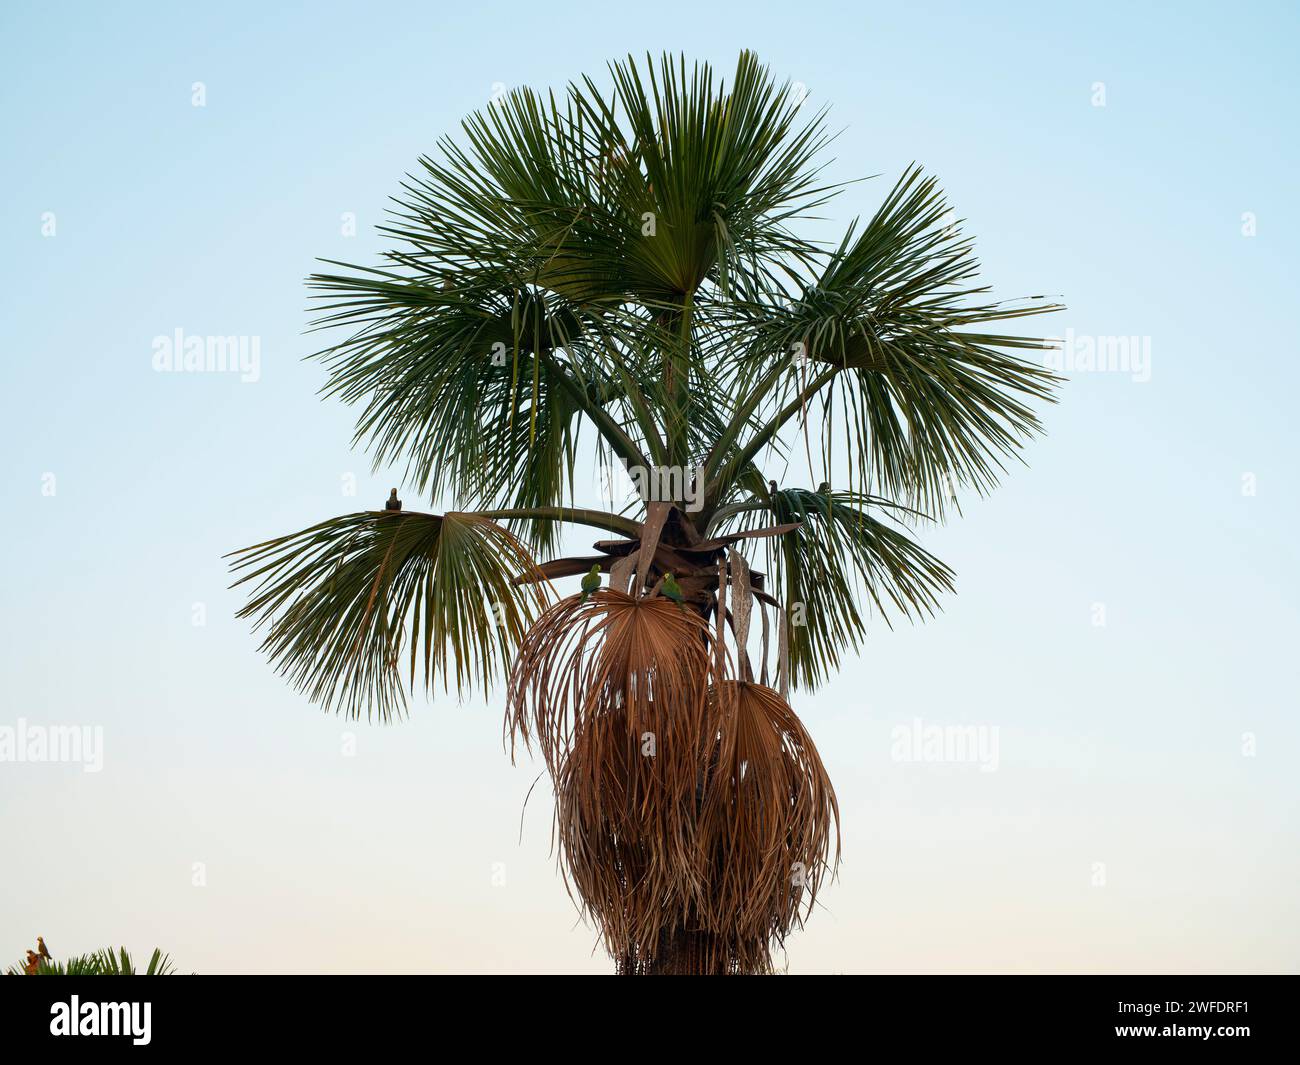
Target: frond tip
(344, 599)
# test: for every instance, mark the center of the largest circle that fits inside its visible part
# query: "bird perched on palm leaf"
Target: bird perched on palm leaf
(590, 582)
(41, 948)
(393, 502)
(672, 590)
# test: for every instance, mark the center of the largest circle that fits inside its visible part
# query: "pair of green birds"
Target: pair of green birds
(670, 588)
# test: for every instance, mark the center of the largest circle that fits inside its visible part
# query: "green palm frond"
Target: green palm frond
(726, 170)
(121, 963)
(105, 962)
(839, 550)
(458, 384)
(530, 241)
(890, 341)
(346, 599)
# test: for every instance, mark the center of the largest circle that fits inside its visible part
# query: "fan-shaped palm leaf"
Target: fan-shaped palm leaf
(344, 599)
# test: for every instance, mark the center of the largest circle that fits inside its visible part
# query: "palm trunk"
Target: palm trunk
(682, 953)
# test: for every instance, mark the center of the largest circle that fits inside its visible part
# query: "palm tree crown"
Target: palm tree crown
(624, 269)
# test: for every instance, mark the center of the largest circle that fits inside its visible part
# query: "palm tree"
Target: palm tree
(627, 263)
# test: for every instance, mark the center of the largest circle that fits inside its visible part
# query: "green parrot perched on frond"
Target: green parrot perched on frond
(671, 589)
(590, 582)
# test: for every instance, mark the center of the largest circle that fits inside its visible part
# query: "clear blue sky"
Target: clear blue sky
(1120, 746)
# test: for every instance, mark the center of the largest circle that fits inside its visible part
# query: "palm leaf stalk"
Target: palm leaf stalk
(621, 269)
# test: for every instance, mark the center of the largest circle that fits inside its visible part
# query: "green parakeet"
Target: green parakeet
(671, 589)
(590, 582)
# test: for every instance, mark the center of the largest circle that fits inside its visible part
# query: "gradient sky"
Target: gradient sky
(1119, 744)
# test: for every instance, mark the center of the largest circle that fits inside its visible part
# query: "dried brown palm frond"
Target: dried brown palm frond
(693, 813)
(626, 837)
(616, 694)
(756, 831)
(768, 817)
(645, 656)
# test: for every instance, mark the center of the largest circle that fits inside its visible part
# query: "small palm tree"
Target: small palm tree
(624, 268)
